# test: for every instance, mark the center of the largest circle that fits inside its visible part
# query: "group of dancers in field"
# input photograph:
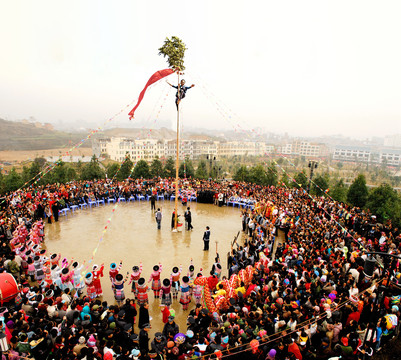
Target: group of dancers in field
(166, 290)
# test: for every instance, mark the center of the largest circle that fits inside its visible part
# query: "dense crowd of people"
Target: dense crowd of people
(318, 295)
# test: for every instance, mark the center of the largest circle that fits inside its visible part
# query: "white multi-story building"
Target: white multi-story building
(308, 149)
(393, 141)
(147, 149)
(100, 146)
(69, 159)
(193, 149)
(352, 153)
(117, 148)
(303, 148)
(285, 149)
(239, 148)
(390, 156)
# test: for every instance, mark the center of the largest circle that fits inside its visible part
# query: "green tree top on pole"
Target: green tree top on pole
(174, 50)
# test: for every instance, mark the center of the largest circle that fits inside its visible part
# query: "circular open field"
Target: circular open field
(132, 236)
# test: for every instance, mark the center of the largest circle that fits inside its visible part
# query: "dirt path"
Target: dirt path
(18, 156)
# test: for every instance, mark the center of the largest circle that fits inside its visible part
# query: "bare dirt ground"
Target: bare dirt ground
(16, 157)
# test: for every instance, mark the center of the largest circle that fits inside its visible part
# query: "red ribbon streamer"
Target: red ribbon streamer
(155, 77)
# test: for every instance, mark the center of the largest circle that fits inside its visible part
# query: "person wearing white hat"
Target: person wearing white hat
(90, 288)
(78, 279)
(135, 353)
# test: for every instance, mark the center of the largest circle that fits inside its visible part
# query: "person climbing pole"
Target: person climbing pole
(181, 91)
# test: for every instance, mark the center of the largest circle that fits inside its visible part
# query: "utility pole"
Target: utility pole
(212, 165)
(312, 165)
(209, 157)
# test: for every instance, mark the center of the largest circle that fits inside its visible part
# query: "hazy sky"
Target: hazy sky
(302, 67)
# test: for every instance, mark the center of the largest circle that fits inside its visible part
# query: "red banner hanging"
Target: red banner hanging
(158, 75)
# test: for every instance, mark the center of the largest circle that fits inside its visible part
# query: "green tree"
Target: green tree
(25, 174)
(339, 191)
(47, 178)
(189, 167)
(62, 173)
(169, 168)
(126, 169)
(396, 181)
(92, 170)
(2, 185)
(257, 175)
(201, 170)
(111, 170)
(301, 180)
(36, 168)
(213, 172)
(242, 174)
(79, 166)
(285, 181)
(13, 181)
(385, 203)
(156, 168)
(319, 185)
(182, 171)
(71, 174)
(59, 173)
(142, 170)
(186, 169)
(174, 50)
(358, 192)
(271, 175)
(31, 174)
(41, 161)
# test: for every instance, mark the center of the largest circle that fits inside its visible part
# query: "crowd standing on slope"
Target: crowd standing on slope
(310, 299)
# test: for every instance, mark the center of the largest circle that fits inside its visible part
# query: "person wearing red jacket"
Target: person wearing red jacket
(97, 274)
(251, 288)
(212, 281)
(294, 349)
(355, 315)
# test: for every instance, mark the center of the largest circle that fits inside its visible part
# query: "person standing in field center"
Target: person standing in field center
(188, 218)
(206, 239)
(153, 203)
(158, 217)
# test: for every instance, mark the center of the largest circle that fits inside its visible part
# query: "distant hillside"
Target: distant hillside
(25, 135)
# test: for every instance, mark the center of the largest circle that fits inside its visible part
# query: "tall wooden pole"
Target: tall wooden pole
(178, 154)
